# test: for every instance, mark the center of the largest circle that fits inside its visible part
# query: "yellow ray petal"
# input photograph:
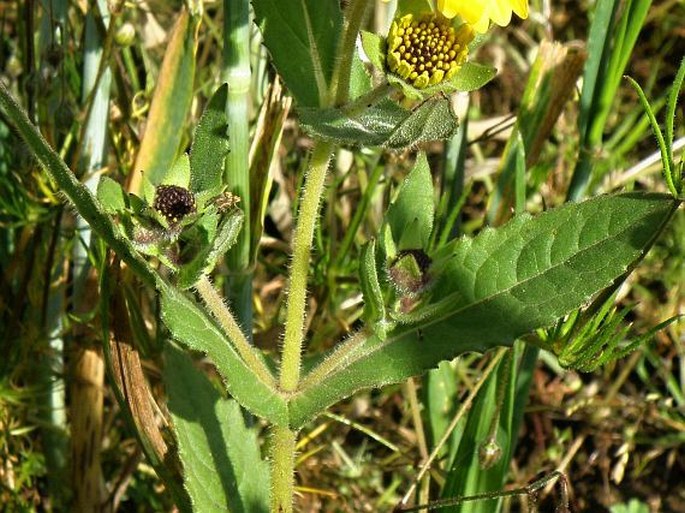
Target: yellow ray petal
(478, 13)
(470, 11)
(500, 12)
(520, 7)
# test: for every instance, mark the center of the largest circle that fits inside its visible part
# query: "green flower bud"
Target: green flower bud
(125, 35)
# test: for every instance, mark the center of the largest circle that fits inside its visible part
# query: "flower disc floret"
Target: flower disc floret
(427, 50)
(174, 202)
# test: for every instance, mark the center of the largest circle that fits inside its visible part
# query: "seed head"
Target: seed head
(174, 202)
(489, 453)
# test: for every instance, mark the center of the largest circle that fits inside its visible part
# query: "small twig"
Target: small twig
(410, 388)
(530, 491)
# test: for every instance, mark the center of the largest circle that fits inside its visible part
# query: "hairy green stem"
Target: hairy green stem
(315, 180)
(309, 210)
(283, 452)
(319, 373)
(223, 315)
(354, 17)
(282, 469)
(670, 113)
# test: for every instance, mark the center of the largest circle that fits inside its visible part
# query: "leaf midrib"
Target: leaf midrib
(384, 343)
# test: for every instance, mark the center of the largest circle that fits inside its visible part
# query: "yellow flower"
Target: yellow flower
(478, 13)
(426, 50)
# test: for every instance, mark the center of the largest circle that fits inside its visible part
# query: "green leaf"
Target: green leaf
(433, 120)
(490, 290)
(205, 261)
(374, 307)
(193, 327)
(111, 195)
(178, 173)
(375, 49)
(470, 77)
(410, 216)
(360, 81)
(148, 190)
(383, 124)
(210, 146)
(372, 127)
(223, 468)
(441, 399)
(302, 37)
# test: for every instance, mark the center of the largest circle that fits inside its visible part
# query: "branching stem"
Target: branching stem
(315, 180)
(227, 321)
(282, 469)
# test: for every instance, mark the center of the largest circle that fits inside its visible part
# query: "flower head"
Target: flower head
(426, 50)
(174, 202)
(478, 13)
(409, 271)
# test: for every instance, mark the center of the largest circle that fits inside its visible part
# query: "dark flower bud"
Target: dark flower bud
(409, 271)
(174, 202)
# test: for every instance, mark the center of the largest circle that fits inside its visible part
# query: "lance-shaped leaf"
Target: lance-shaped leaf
(222, 465)
(302, 37)
(210, 146)
(383, 124)
(374, 306)
(205, 261)
(491, 289)
(191, 326)
(111, 195)
(410, 216)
